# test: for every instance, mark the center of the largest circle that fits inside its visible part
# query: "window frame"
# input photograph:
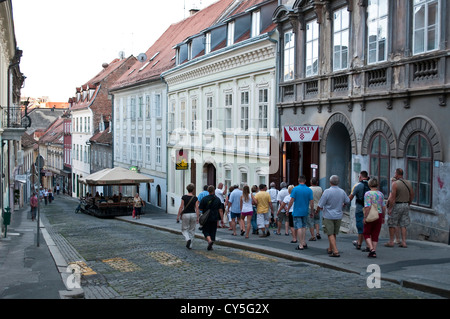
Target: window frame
(419, 159)
(379, 157)
(289, 56)
(378, 19)
(309, 60)
(341, 31)
(426, 26)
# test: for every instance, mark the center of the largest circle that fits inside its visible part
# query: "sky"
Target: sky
(65, 42)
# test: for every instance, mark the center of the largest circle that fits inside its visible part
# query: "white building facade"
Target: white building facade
(221, 107)
(139, 135)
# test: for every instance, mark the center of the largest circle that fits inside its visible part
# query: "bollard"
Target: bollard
(6, 218)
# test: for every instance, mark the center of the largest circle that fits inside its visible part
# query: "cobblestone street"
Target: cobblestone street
(123, 260)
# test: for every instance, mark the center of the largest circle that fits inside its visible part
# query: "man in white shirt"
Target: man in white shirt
(281, 217)
(273, 192)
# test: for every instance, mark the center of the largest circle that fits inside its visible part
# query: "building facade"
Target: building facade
(222, 95)
(140, 106)
(90, 109)
(11, 130)
(373, 76)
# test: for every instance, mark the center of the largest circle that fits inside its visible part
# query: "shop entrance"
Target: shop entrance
(339, 155)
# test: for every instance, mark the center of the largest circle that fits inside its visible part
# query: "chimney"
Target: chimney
(193, 11)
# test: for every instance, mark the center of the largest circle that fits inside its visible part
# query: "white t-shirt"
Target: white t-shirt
(286, 201)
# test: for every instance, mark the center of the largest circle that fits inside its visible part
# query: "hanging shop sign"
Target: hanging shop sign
(181, 160)
(301, 133)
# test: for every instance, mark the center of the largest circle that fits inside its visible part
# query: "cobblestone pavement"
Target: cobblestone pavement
(127, 261)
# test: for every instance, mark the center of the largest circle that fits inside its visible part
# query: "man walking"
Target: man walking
(273, 192)
(234, 205)
(399, 200)
(33, 205)
(358, 191)
(332, 202)
(303, 201)
(263, 203)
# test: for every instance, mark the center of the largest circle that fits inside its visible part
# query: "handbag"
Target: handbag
(373, 214)
(202, 220)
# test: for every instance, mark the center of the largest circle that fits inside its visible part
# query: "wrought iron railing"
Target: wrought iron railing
(11, 117)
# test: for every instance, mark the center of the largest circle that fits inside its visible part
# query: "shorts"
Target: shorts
(262, 220)
(246, 214)
(235, 215)
(300, 221)
(331, 226)
(311, 221)
(282, 217)
(399, 216)
(359, 222)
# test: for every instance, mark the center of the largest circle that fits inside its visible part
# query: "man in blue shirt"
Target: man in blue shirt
(303, 201)
(234, 205)
(332, 201)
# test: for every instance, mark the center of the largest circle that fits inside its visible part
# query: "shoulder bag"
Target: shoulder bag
(373, 214)
(204, 218)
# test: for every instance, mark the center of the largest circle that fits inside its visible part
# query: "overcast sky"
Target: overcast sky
(66, 42)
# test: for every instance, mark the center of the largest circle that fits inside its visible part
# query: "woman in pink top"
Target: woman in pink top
(372, 229)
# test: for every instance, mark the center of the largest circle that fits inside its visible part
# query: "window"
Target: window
(172, 116)
(256, 23)
(158, 150)
(140, 107)
(228, 110)
(263, 105)
(207, 42)
(340, 39)
(133, 148)
(147, 150)
(244, 111)
(158, 105)
(419, 168)
(379, 162)
(133, 108)
(227, 178)
(139, 157)
(312, 48)
(377, 24)
(289, 55)
(230, 33)
(209, 112)
(194, 114)
(183, 115)
(425, 25)
(147, 107)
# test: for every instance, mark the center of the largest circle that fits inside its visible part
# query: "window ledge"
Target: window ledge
(423, 210)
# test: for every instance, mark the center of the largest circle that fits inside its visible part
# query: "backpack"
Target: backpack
(366, 189)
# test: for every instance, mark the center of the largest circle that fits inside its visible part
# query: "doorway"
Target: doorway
(339, 155)
(209, 174)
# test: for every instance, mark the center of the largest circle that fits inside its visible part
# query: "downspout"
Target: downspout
(277, 81)
(167, 136)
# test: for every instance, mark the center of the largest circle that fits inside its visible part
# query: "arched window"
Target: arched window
(379, 162)
(419, 159)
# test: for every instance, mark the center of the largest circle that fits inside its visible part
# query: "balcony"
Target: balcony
(12, 123)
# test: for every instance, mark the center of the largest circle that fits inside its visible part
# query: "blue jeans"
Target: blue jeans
(253, 221)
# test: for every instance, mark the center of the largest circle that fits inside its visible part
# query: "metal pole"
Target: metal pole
(39, 196)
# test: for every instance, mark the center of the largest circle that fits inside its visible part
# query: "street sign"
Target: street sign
(181, 160)
(301, 133)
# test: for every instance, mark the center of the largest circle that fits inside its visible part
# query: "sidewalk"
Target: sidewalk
(29, 271)
(422, 265)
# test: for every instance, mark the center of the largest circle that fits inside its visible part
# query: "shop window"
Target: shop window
(419, 161)
(379, 162)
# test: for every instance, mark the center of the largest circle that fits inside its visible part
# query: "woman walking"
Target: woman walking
(372, 229)
(188, 212)
(246, 209)
(137, 205)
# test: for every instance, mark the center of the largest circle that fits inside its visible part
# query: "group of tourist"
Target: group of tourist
(298, 209)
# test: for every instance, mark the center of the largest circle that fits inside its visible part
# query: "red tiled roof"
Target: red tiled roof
(174, 35)
(53, 133)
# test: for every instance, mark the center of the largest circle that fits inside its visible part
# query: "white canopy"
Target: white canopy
(116, 176)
